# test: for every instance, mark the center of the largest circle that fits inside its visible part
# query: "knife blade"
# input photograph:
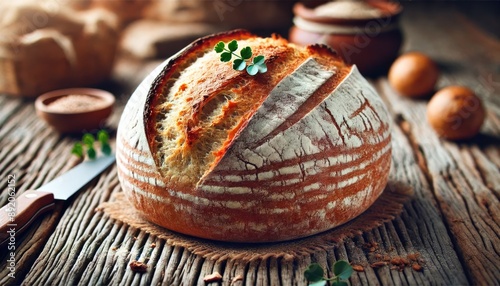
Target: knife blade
(18, 214)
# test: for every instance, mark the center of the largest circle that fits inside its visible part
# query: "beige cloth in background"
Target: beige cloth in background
(43, 48)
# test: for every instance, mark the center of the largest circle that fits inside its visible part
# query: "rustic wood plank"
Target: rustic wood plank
(469, 207)
(288, 268)
(486, 169)
(99, 268)
(8, 108)
(69, 259)
(207, 269)
(166, 252)
(20, 154)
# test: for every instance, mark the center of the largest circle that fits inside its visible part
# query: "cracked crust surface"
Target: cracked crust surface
(201, 103)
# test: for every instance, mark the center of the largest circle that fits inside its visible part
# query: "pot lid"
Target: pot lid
(348, 9)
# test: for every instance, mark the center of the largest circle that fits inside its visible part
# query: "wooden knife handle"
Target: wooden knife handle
(18, 214)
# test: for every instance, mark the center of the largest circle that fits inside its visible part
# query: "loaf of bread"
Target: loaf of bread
(215, 153)
(43, 48)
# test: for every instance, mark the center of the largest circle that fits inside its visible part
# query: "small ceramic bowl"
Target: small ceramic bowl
(75, 110)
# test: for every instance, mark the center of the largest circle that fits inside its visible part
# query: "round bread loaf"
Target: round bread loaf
(43, 49)
(212, 152)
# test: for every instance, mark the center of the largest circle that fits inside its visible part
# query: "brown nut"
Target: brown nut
(455, 112)
(413, 74)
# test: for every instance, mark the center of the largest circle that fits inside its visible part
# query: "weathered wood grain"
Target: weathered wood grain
(461, 197)
(467, 200)
(452, 222)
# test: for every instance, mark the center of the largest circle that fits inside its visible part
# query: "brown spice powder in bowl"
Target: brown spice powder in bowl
(75, 109)
(76, 103)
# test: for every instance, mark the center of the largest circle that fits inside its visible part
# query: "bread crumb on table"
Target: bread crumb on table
(236, 279)
(214, 277)
(417, 267)
(137, 266)
(358, 268)
(378, 264)
(397, 262)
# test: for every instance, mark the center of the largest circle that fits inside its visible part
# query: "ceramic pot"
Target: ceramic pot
(370, 42)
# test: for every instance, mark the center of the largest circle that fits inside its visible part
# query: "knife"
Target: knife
(19, 213)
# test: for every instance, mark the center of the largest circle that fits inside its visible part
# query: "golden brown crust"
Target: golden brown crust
(200, 103)
(175, 63)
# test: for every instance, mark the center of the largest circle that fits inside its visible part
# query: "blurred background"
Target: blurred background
(51, 44)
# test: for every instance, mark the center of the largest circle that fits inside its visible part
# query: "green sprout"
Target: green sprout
(88, 141)
(103, 138)
(77, 149)
(86, 146)
(315, 274)
(257, 65)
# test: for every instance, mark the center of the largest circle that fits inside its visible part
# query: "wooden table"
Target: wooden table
(453, 221)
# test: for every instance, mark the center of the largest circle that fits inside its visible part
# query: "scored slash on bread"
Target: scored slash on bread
(223, 155)
(200, 113)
